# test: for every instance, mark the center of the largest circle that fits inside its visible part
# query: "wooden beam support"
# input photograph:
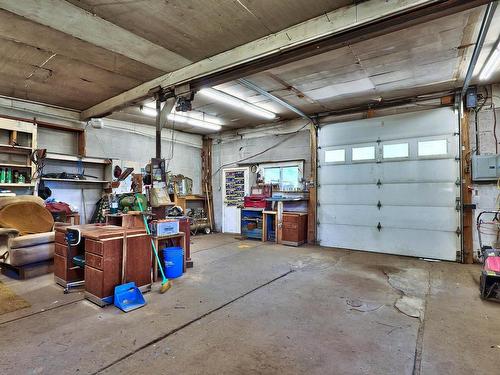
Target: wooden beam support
(313, 192)
(206, 180)
(336, 29)
(72, 20)
(468, 213)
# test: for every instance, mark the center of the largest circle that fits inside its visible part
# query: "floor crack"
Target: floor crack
(419, 345)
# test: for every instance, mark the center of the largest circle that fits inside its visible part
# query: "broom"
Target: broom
(165, 284)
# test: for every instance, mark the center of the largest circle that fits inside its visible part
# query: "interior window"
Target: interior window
(272, 175)
(287, 177)
(397, 150)
(335, 156)
(363, 153)
(429, 148)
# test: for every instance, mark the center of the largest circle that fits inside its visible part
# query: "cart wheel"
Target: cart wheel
(482, 286)
(208, 230)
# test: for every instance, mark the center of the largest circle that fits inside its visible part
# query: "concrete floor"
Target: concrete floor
(257, 308)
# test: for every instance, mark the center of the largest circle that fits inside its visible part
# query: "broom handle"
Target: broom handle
(152, 242)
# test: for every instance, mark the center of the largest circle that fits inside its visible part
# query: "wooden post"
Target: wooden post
(81, 144)
(13, 137)
(158, 127)
(468, 216)
(313, 197)
(206, 169)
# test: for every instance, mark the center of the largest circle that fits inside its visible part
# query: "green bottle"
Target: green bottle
(8, 176)
(2, 176)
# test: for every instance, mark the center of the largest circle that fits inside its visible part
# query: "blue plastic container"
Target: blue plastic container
(174, 261)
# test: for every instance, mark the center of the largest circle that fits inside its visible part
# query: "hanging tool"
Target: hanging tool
(165, 284)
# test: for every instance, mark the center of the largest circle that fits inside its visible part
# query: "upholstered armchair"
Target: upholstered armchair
(26, 235)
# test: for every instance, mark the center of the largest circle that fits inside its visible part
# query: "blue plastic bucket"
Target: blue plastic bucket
(174, 261)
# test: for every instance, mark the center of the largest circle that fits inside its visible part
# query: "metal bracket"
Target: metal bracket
(379, 226)
(458, 232)
(379, 183)
(379, 205)
(457, 182)
(457, 204)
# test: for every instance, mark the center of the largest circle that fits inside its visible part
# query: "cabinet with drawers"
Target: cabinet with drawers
(103, 249)
(293, 228)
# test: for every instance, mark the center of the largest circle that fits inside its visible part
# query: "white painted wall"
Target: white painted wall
(228, 148)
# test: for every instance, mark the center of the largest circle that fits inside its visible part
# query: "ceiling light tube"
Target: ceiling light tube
(237, 102)
(491, 64)
(193, 122)
(185, 119)
(148, 111)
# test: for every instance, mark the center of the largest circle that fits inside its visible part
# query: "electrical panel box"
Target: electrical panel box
(485, 167)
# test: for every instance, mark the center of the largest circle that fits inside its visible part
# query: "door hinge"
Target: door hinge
(379, 205)
(379, 183)
(458, 231)
(457, 182)
(379, 226)
(457, 204)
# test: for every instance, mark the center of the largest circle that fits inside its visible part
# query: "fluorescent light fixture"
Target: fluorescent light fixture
(193, 121)
(148, 111)
(237, 102)
(193, 118)
(491, 63)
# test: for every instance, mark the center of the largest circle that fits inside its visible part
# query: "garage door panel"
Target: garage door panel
(417, 192)
(419, 124)
(421, 218)
(417, 243)
(441, 170)
(422, 194)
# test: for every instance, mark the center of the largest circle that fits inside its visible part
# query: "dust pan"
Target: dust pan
(128, 297)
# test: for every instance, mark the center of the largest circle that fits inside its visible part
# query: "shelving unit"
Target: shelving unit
(18, 139)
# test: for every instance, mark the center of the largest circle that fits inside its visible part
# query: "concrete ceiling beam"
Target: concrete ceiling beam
(339, 27)
(65, 17)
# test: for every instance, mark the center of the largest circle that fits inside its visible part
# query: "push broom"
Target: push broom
(165, 284)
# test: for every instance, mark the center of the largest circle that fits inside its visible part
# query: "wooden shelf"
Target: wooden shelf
(192, 198)
(15, 149)
(16, 185)
(15, 165)
(75, 181)
(74, 158)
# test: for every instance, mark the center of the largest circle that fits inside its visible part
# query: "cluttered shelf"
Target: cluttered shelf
(74, 180)
(74, 158)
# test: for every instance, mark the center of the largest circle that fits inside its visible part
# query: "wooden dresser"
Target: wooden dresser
(103, 249)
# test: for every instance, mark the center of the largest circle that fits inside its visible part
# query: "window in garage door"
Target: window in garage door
(396, 190)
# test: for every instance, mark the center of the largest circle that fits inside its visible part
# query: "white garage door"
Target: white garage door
(390, 185)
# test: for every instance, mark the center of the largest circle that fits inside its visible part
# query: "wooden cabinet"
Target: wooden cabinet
(103, 264)
(103, 249)
(294, 228)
